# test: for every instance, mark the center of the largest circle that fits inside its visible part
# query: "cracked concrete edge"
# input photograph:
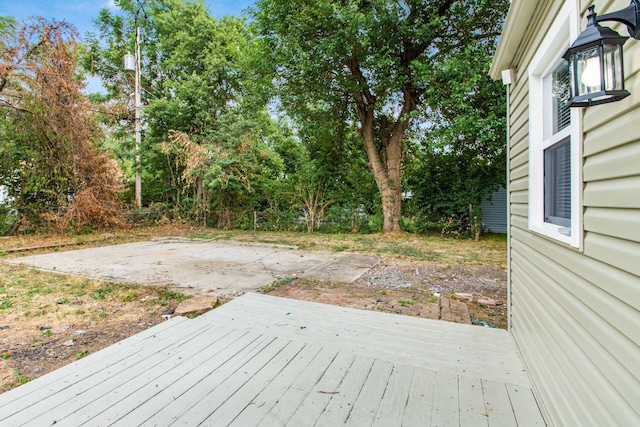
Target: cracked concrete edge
(230, 242)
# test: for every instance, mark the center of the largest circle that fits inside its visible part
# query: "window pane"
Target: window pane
(561, 94)
(557, 183)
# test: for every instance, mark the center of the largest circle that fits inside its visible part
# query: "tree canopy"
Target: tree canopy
(377, 58)
(310, 114)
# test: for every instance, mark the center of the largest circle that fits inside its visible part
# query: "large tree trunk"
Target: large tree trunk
(386, 166)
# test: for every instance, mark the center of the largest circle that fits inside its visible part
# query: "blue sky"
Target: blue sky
(81, 13)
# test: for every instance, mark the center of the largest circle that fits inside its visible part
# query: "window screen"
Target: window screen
(557, 183)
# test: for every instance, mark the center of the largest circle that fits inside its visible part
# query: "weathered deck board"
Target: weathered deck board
(268, 361)
(471, 393)
(265, 399)
(299, 390)
(340, 406)
(420, 402)
(140, 399)
(319, 395)
(426, 343)
(369, 400)
(393, 405)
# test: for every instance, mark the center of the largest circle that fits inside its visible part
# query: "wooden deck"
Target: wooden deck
(268, 361)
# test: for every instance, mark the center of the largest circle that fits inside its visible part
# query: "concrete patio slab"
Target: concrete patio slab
(225, 268)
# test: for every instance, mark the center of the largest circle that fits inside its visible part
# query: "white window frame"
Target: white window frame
(548, 56)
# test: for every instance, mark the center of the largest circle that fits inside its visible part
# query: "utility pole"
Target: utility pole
(137, 118)
(132, 63)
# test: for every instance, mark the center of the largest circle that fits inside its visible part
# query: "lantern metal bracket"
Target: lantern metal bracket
(629, 16)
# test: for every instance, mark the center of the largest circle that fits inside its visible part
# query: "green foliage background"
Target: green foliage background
(270, 142)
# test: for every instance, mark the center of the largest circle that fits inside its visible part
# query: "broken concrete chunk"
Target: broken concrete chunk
(196, 305)
(463, 296)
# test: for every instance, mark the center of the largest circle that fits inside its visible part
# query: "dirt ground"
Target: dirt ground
(459, 293)
(31, 346)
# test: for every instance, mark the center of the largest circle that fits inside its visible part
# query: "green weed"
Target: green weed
(102, 293)
(129, 296)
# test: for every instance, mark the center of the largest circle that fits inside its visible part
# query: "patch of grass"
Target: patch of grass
(295, 282)
(103, 292)
(20, 379)
(81, 353)
(164, 293)
(489, 251)
(31, 295)
(98, 315)
(39, 289)
(129, 295)
(168, 297)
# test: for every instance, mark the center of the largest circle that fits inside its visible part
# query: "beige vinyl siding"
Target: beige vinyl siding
(575, 315)
(620, 223)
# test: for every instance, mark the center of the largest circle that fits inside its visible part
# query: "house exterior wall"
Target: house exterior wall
(494, 211)
(575, 312)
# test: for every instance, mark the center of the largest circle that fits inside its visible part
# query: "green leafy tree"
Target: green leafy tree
(228, 169)
(336, 166)
(377, 57)
(197, 82)
(461, 155)
(7, 25)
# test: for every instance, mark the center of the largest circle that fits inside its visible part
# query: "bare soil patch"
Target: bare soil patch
(30, 351)
(457, 293)
(49, 320)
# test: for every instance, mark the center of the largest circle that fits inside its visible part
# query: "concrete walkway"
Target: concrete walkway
(225, 268)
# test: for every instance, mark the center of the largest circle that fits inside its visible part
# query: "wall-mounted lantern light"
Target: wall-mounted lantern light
(596, 61)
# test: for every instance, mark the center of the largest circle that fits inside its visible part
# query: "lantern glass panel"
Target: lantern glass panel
(613, 78)
(588, 72)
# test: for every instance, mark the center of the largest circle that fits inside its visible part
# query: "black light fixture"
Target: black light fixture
(596, 61)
